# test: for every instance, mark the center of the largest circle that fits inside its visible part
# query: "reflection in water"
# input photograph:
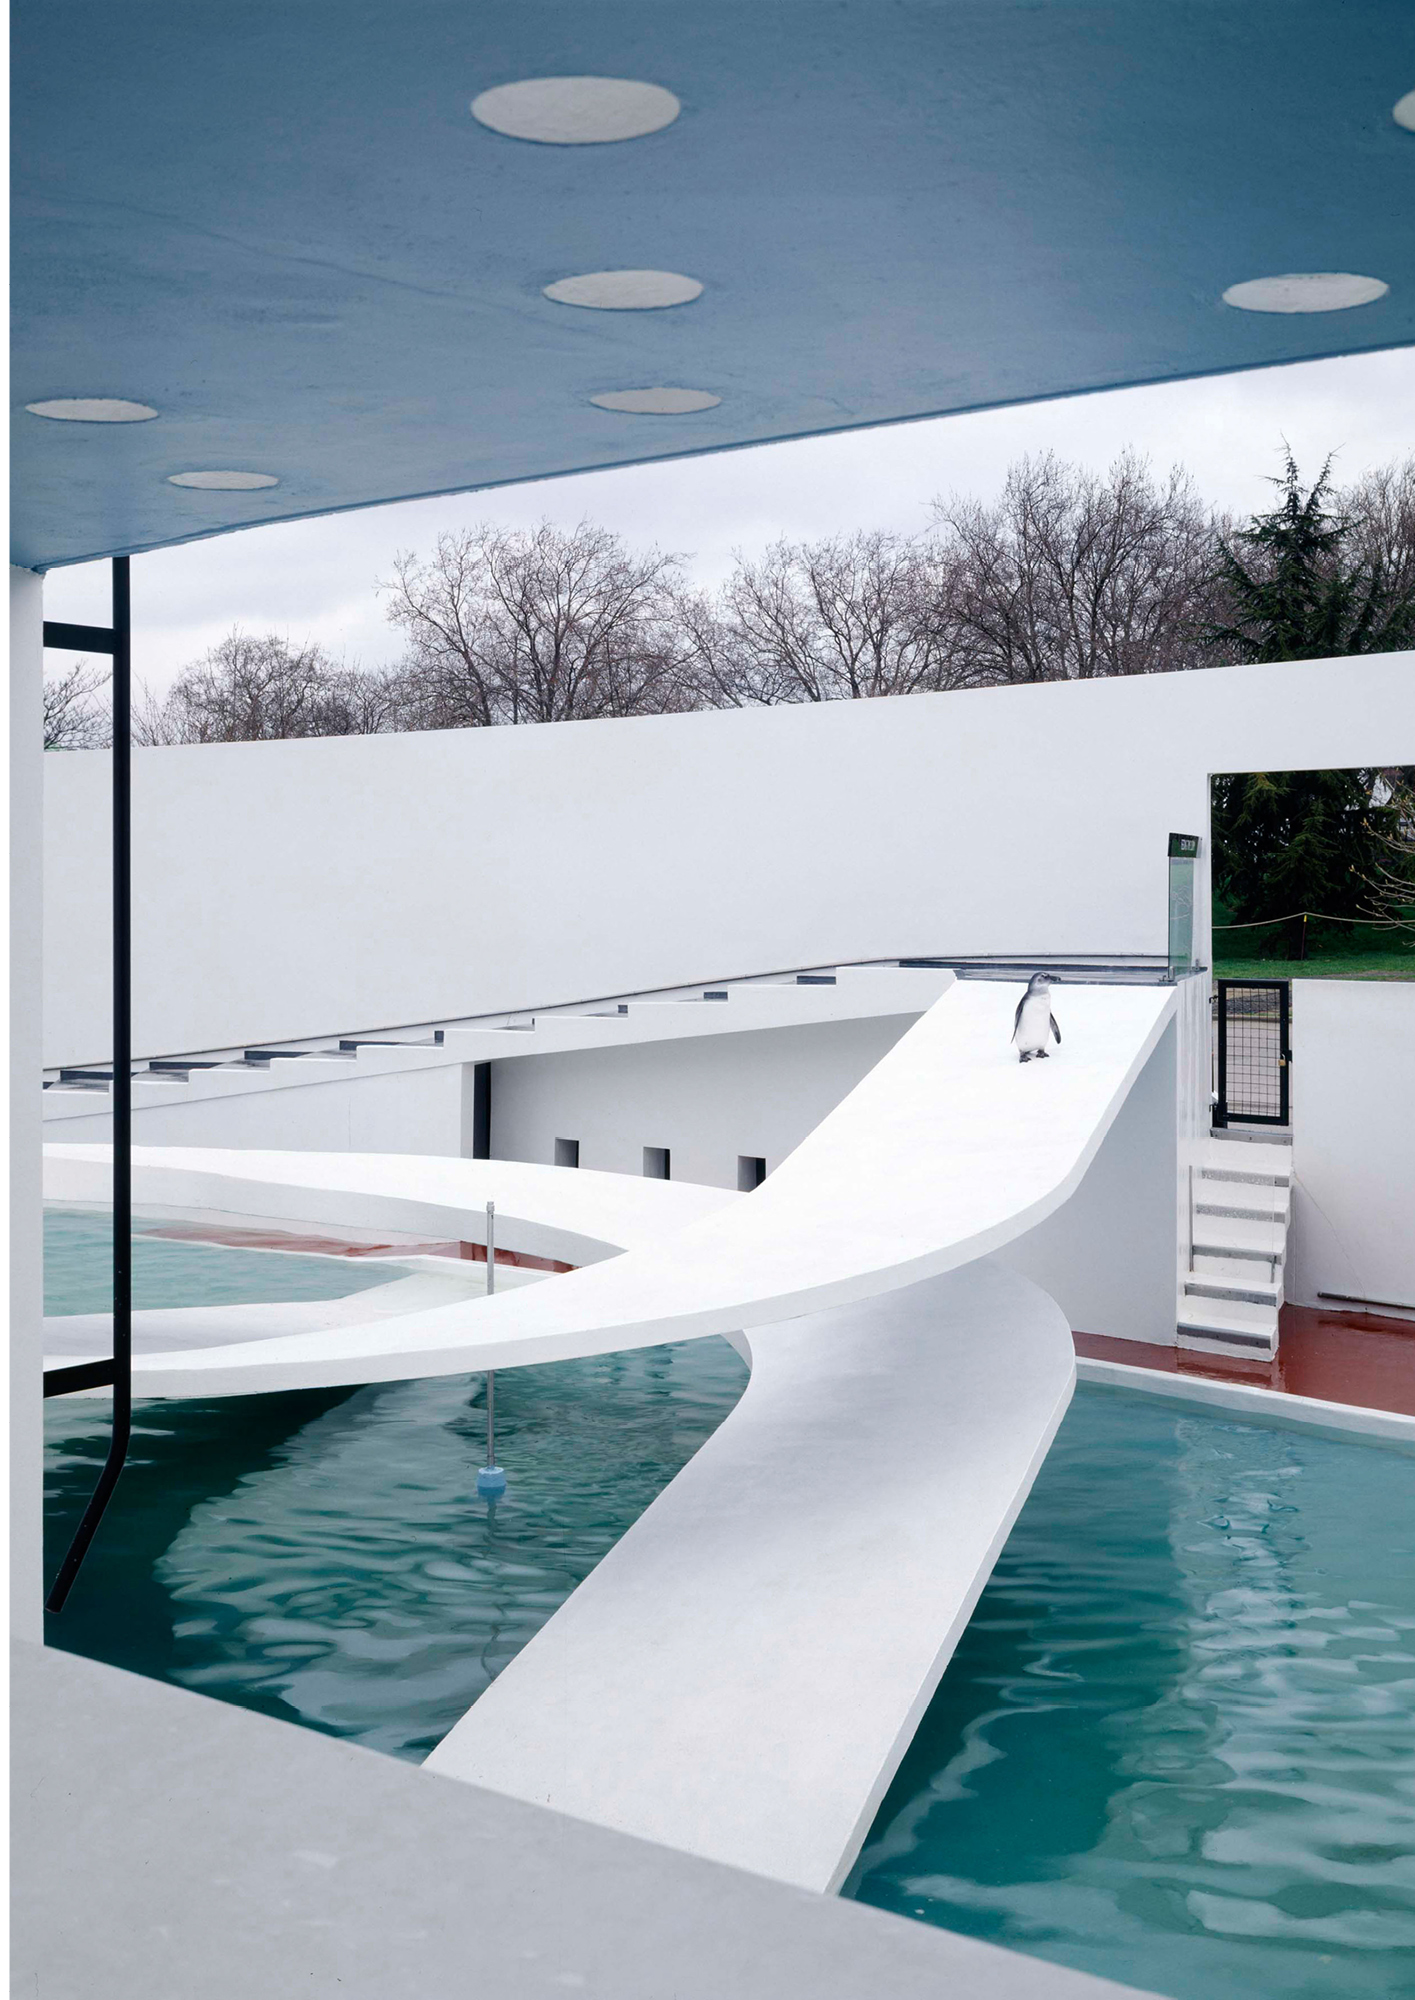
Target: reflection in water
(324, 1557)
(78, 1269)
(1177, 1743)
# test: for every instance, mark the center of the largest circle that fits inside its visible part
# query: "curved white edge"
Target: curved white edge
(573, 1216)
(742, 1673)
(1255, 1404)
(947, 1150)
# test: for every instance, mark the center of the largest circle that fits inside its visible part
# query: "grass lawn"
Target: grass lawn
(1331, 965)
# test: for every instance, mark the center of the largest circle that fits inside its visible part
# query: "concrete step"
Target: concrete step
(1234, 1280)
(1209, 1330)
(1242, 1201)
(1240, 1236)
(1246, 1160)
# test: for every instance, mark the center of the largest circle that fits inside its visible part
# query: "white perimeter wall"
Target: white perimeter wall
(708, 1100)
(416, 1111)
(287, 889)
(1353, 1140)
(1108, 1256)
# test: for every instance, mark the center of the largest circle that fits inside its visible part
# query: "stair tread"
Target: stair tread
(1204, 1312)
(1230, 1233)
(1241, 1202)
(1244, 1157)
(1218, 1285)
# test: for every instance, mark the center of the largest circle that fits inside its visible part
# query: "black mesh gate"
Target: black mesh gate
(1254, 1051)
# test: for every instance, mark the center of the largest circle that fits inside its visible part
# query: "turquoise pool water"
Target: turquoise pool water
(1177, 1743)
(324, 1557)
(78, 1275)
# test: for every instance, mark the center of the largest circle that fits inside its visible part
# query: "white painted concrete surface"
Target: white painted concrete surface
(707, 1100)
(1107, 1256)
(1253, 1403)
(741, 1674)
(1353, 1141)
(307, 887)
(767, 1061)
(271, 1861)
(573, 1218)
(946, 1151)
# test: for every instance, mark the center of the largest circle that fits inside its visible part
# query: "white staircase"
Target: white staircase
(1242, 1195)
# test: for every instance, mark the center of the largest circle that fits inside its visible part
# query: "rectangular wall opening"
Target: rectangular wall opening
(656, 1163)
(751, 1172)
(567, 1152)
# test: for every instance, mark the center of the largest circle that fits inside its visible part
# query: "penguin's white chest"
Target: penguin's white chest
(1034, 1028)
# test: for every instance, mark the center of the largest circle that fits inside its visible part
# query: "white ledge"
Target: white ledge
(947, 1150)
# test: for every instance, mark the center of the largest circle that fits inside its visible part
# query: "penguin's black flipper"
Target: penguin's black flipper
(1055, 1030)
(1017, 1017)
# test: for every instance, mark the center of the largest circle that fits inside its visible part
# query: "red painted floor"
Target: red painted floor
(1339, 1357)
(334, 1246)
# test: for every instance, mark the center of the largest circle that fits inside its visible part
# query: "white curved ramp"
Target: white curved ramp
(947, 1150)
(743, 1671)
(544, 1212)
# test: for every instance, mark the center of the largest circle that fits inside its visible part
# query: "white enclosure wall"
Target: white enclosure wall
(416, 1111)
(1107, 1256)
(708, 1100)
(305, 888)
(1353, 1141)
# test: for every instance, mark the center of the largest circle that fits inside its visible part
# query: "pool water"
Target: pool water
(78, 1269)
(323, 1556)
(1176, 1746)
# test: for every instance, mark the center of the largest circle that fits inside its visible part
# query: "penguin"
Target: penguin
(1035, 1020)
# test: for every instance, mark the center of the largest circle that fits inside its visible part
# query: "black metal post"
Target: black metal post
(122, 1088)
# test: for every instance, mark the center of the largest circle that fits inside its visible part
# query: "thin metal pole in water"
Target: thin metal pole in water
(122, 1099)
(491, 1372)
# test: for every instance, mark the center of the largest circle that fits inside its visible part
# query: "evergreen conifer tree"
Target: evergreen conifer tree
(1292, 841)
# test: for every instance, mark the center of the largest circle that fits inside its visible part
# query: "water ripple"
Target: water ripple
(1177, 1743)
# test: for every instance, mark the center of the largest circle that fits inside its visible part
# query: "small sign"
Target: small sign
(1184, 847)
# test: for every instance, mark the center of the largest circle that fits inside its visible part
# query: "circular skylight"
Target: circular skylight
(1305, 292)
(576, 110)
(625, 291)
(1404, 112)
(657, 402)
(92, 410)
(224, 482)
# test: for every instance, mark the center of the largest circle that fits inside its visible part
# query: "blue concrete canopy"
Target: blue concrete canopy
(279, 226)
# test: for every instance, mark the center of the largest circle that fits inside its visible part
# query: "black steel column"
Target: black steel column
(122, 1089)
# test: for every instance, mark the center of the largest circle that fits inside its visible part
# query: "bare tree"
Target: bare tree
(1390, 879)
(1071, 576)
(1381, 511)
(516, 625)
(254, 687)
(850, 617)
(75, 717)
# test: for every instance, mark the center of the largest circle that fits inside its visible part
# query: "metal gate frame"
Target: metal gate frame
(1224, 1114)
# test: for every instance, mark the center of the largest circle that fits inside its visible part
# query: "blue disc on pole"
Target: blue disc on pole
(491, 1481)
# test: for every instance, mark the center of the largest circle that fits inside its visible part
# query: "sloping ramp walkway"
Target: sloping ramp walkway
(741, 1674)
(947, 1150)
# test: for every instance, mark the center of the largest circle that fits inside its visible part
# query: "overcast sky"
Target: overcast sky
(316, 579)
